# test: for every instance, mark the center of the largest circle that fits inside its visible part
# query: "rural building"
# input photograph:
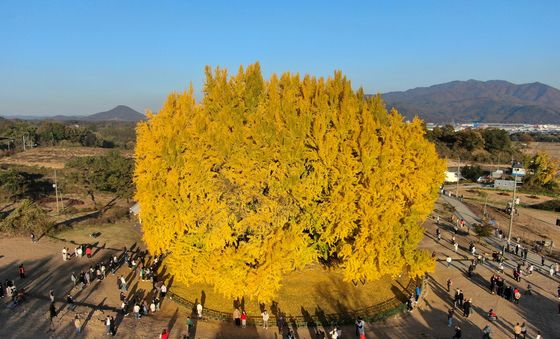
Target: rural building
(504, 184)
(497, 174)
(450, 176)
(517, 170)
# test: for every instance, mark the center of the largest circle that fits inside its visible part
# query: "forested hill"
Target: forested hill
(480, 101)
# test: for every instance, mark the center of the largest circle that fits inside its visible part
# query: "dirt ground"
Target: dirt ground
(54, 157)
(46, 270)
(552, 148)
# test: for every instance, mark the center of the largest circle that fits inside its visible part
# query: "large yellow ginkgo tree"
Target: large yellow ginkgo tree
(263, 177)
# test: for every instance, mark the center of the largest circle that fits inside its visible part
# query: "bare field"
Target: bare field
(552, 148)
(55, 157)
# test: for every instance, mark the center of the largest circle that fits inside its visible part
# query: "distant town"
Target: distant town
(511, 128)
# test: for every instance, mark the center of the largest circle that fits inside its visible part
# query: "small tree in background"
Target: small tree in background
(27, 218)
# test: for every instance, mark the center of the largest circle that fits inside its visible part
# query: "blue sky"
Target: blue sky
(81, 57)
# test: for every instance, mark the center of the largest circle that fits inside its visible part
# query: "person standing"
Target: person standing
(163, 291)
(164, 334)
(136, 310)
(517, 331)
(51, 296)
(265, 318)
(108, 325)
(21, 270)
(32, 237)
(77, 324)
(199, 310)
(64, 253)
(237, 317)
(52, 315)
(449, 284)
(123, 284)
(455, 246)
(516, 296)
(539, 336)
(524, 330)
(467, 308)
(450, 314)
(334, 333)
(361, 328)
(243, 319)
(461, 298)
(280, 324)
(448, 260)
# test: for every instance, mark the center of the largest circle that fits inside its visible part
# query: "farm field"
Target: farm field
(55, 157)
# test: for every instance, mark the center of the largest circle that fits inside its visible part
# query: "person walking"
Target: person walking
(77, 324)
(64, 254)
(455, 246)
(450, 314)
(487, 332)
(51, 296)
(458, 333)
(164, 334)
(265, 318)
(449, 284)
(21, 270)
(32, 237)
(190, 326)
(448, 260)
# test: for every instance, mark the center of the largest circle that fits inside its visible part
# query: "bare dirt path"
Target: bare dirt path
(46, 270)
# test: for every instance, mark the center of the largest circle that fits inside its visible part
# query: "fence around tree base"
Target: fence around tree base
(372, 313)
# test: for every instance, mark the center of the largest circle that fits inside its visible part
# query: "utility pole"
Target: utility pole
(512, 209)
(485, 202)
(458, 177)
(55, 185)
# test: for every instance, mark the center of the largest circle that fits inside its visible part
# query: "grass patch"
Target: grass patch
(313, 291)
(551, 205)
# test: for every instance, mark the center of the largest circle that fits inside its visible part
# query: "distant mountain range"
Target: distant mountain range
(495, 101)
(119, 113)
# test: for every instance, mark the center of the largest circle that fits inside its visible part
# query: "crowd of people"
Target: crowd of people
(498, 284)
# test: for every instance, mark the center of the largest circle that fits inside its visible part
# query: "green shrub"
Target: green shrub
(27, 218)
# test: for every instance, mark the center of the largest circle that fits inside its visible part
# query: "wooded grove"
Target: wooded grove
(262, 177)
